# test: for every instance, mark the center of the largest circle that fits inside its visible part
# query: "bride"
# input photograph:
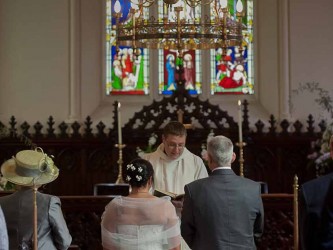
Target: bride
(140, 221)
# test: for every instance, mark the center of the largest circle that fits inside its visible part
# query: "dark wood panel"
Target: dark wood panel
(87, 155)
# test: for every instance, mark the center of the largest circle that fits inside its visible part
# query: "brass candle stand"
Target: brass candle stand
(241, 157)
(120, 163)
(35, 232)
(295, 212)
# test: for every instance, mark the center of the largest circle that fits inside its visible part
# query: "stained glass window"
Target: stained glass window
(168, 63)
(126, 72)
(233, 73)
(169, 60)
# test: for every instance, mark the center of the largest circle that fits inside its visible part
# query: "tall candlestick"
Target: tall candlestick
(240, 133)
(35, 232)
(120, 137)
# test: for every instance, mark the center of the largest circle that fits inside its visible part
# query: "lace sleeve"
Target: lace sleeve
(108, 225)
(172, 226)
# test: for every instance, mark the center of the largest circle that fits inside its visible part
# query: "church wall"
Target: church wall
(33, 59)
(311, 38)
(46, 70)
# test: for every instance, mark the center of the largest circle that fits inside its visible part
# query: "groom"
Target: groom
(223, 211)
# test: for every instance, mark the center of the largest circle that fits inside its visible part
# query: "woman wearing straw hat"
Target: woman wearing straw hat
(33, 218)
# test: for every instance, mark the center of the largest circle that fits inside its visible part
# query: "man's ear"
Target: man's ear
(209, 158)
(150, 181)
(233, 157)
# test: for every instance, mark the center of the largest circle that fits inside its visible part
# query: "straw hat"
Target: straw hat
(30, 167)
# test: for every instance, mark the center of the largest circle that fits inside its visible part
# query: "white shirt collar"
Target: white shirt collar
(221, 168)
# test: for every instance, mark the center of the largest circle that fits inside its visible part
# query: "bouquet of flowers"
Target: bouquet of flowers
(151, 146)
(320, 158)
(204, 147)
(4, 184)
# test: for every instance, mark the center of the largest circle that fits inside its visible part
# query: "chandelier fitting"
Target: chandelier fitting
(179, 29)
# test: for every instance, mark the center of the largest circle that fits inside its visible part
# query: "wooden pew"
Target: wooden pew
(83, 216)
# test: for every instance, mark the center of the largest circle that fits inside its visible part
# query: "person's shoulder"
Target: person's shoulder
(149, 156)
(248, 183)
(49, 197)
(7, 197)
(322, 180)
(165, 200)
(189, 154)
(201, 181)
(247, 180)
(117, 199)
(41, 194)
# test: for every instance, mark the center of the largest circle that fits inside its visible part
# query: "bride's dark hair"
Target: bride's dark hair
(138, 172)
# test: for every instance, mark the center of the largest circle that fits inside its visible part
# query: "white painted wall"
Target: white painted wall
(51, 61)
(311, 37)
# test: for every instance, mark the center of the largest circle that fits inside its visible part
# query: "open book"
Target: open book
(173, 196)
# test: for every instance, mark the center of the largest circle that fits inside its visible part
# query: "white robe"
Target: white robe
(172, 175)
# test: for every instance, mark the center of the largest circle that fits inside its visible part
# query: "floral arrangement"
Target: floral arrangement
(320, 158)
(204, 147)
(151, 146)
(4, 184)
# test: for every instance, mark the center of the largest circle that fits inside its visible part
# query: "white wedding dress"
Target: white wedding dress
(140, 224)
(145, 237)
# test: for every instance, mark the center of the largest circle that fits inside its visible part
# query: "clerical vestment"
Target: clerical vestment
(172, 175)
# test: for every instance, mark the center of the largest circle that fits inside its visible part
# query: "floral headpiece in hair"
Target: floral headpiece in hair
(131, 167)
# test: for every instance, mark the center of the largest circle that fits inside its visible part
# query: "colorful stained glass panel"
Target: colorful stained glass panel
(126, 71)
(233, 73)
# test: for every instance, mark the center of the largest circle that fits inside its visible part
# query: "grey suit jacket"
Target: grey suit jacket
(223, 211)
(52, 229)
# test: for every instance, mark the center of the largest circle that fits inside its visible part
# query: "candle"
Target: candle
(240, 133)
(120, 137)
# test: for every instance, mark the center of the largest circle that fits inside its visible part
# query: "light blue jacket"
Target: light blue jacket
(3, 232)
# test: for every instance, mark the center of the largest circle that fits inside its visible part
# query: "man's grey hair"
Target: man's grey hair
(220, 149)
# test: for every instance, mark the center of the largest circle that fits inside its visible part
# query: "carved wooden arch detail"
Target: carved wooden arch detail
(182, 107)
